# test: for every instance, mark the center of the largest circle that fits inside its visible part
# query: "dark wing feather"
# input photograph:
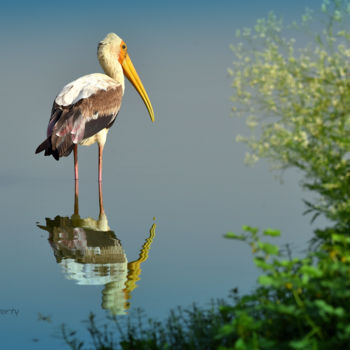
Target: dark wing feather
(93, 126)
(71, 124)
(101, 110)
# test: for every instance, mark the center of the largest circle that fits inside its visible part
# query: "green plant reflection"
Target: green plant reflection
(91, 254)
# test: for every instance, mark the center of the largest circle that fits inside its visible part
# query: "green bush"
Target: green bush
(294, 95)
(301, 303)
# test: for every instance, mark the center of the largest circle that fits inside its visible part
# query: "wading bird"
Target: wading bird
(86, 108)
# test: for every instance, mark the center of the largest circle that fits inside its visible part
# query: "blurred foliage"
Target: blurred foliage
(190, 328)
(294, 95)
(301, 303)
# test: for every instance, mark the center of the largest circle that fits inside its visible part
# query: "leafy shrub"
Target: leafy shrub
(301, 303)
(294, 95)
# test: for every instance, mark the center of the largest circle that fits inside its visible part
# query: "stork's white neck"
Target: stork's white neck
(112, 68)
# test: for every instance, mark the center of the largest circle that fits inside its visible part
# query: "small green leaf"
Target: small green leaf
(265, 280)
(300, 344)
(286, 309)
(225, 330)
(240, 344)
(259, 262)
(253, 230)
(268, 248)
(340, 238)
(232, 235)
(272, 232)
(311, 271)
(329, 309)
(330, 186)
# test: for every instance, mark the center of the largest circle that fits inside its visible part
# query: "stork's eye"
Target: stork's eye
(124, 47)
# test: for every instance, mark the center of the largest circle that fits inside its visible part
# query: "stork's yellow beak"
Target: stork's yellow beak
(131, 74)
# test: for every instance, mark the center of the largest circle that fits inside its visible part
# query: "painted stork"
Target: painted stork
(86, 108)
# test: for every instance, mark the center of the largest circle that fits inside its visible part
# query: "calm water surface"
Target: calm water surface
(156, 245)
(170, 190)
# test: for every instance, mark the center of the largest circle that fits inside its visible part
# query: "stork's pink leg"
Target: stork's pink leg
(76, 197)
(100, 154)
(100, 198)
(76, 173)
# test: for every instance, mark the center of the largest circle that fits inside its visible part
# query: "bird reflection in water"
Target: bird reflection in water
(91, 254)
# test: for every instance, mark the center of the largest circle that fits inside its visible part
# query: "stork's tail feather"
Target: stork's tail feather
(47, 147)
(43, 146)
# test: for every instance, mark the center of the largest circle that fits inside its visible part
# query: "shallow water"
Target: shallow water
(164, 239)
(170, 189)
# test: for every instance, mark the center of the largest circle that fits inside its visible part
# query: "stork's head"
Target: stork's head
(113, 52)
